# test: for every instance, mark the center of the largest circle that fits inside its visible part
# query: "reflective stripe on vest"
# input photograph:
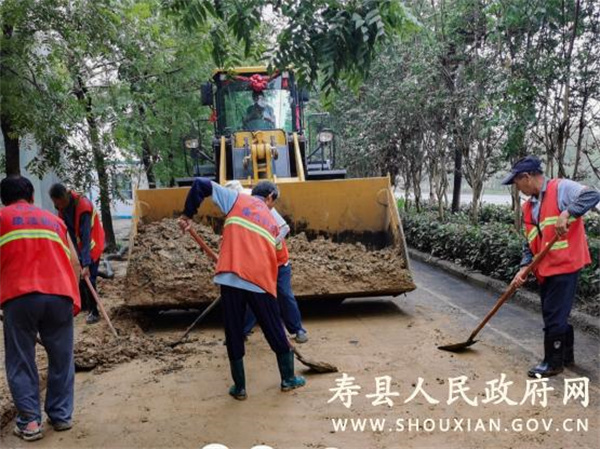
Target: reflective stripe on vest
(252, 227)
(34, 255)
(547, 222)
(33, 234)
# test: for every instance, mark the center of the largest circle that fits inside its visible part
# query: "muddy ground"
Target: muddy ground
(142, 394)
(137, 392)
(167, 268)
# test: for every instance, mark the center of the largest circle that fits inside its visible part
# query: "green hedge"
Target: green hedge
(492, 248)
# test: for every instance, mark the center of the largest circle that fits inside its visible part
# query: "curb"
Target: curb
(524, 298)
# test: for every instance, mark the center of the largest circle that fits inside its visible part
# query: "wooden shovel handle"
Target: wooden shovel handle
(203, 245)
(513, 288)
(100, 305)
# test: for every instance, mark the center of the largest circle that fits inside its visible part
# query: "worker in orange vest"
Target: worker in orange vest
(554, 207)
(39, 270)
(85, 228)
(247, 273)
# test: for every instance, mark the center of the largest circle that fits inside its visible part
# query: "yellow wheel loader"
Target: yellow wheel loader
(259, 134)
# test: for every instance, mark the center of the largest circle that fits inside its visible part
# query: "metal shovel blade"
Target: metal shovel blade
(458, 347)
(318, 367)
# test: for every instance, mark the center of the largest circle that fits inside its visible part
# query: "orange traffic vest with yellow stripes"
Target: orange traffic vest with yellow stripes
(567, 255)
(248, 247)
(283, 255)
(83, 206)
(35, 255)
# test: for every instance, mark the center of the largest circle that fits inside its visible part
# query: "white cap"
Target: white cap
(234, 185)
(237, 186)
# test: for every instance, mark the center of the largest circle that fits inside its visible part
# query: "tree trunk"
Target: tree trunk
(100, 163)
(581, 128)
(517, 208)
(148, 164)
(11, 139)
(476, 200)
(457, 178)
(406, 190)
(11, 146)
(147, 156)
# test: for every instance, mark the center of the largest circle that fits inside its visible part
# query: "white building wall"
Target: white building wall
(40, 185)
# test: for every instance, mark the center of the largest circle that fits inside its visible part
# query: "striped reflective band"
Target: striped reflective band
(92, 242)
(33, 234)
(532, 234)
(251, 227)
(550, 221)
(560, 245)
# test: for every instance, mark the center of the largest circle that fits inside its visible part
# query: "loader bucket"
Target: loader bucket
(359, 214)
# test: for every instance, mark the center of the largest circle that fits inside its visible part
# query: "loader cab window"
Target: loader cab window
(245, 110)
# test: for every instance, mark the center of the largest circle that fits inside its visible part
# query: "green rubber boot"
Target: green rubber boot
(285, 362)
(238, 390)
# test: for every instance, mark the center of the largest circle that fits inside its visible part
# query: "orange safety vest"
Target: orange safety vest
(248, 247)
(283, 255)
(569, 254)
(83, 206)
(35, 255)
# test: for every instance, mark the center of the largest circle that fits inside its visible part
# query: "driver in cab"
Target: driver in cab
(259, 115)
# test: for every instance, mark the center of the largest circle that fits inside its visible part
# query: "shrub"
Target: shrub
(592, 224)
(493, 248)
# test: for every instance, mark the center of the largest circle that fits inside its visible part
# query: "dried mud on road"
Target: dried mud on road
(140, 393)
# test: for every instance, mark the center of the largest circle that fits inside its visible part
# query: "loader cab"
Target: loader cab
(259, 128)
(241, 108)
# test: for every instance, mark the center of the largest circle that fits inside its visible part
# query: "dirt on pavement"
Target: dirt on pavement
(142, 394)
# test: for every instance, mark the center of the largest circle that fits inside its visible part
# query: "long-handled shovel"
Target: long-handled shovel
(319, 367)
(210, 253)
(100, 305)
(458, 347)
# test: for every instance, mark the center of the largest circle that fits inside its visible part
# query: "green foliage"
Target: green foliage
(492, 248)
(592, 224)
(324, 40)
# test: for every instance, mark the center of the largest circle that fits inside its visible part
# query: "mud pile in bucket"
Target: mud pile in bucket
(168, 269)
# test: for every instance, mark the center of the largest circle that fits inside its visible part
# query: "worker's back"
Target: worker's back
(34, 254)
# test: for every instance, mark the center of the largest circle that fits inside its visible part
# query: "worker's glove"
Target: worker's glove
(185, 223)
(85, 272)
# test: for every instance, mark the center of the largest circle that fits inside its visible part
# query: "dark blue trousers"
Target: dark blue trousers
(558, 294)
(52, 317)
(265, 307)
(87, 300)
(287, 303)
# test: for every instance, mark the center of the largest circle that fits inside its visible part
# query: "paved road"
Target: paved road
(513, 326)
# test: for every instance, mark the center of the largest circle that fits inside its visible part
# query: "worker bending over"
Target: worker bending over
(247, 273)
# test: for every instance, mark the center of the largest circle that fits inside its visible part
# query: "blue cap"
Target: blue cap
(528, 164)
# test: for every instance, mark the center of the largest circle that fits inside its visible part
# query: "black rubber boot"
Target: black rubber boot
(554, 358)
(569, 344)
(238, 391)
(285, 362)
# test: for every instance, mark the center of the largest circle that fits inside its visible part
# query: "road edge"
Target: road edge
(524, 298)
